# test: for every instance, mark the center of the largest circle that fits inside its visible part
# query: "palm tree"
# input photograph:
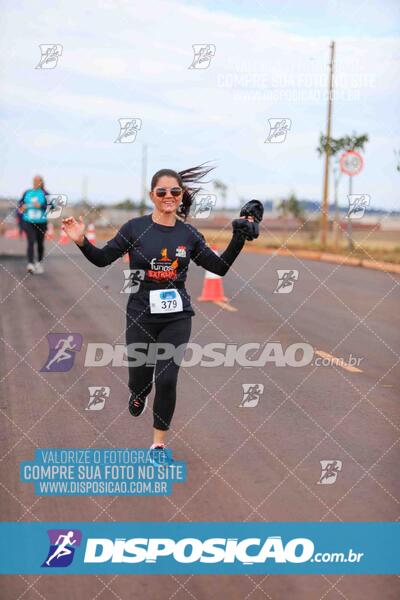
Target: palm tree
(336, 147)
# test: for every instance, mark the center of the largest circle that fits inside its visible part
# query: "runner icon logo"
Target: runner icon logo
(203, 54)
(50, 54)
(278, 130)
(286, 280)
(128, 129)
(62, 348)
(329, 471)
(98, 396)
(203, 204)
(133, 277)
(357, 205)
(62, 547)
(251, 394)
(55, 205)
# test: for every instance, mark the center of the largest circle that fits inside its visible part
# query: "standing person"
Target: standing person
(33, 206)
(160, 246)
(20, 223)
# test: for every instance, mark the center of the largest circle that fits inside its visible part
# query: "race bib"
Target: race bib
(165, 301)
(34, 213)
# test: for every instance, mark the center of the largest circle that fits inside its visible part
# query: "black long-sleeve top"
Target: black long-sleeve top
(159, 257)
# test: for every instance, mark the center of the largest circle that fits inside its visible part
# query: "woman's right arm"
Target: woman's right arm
(21, 204)
(101, 257)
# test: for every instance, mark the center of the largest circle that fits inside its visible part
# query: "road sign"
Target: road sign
(351, 163)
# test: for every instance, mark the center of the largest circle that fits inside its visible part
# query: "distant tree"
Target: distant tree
(342, 144)
(397, 155)
(84, 205)
(291, 206)
(126, 204)
(221, 187)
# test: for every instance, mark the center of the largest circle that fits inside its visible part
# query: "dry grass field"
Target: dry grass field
(373, 245)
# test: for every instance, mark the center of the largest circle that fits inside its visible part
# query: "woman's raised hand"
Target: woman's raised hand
(246, 228)
(74, 229)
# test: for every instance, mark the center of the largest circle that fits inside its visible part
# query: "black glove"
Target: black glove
(248, 230)
(253, 208)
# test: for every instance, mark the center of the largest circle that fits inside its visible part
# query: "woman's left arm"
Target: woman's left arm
(205, 257)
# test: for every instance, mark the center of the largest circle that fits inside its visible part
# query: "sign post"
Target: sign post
(351, 163)
(325, 202)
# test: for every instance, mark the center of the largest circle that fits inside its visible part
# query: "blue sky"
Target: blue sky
(125, 58)
(331, 17)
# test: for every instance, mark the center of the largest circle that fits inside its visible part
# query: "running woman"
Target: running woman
(160, 246)
(33, 207)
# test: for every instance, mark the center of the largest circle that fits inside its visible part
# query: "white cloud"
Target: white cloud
(131, 59)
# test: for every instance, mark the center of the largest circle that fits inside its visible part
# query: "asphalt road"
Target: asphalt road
(243, 464)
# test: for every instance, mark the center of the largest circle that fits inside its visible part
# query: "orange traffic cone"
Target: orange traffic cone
(50, 232)
(91, 233)
(213, 290)
(11, 234)
(63, 239)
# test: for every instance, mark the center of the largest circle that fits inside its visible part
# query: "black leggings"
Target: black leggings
(35, 232)
(176, 333)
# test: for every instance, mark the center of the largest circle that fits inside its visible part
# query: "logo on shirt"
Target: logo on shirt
(181, 251)
(163, 268)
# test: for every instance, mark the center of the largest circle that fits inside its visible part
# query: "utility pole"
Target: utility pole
(84, 189)
(325, 201)
(336, 179)
(349, 221)
(144, 177)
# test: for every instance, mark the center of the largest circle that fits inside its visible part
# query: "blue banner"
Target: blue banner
(199, 548)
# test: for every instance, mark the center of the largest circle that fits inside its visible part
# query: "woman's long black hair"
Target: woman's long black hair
(186, 180)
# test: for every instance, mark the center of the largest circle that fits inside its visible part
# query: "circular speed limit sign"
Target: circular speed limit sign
(351, 163)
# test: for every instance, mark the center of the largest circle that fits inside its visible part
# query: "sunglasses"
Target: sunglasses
(162, 192)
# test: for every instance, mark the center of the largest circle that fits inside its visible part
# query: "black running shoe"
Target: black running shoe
(137, 406)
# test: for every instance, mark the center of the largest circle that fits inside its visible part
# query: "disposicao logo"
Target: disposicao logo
(192, 550)
(62, 349)
(62, 547)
